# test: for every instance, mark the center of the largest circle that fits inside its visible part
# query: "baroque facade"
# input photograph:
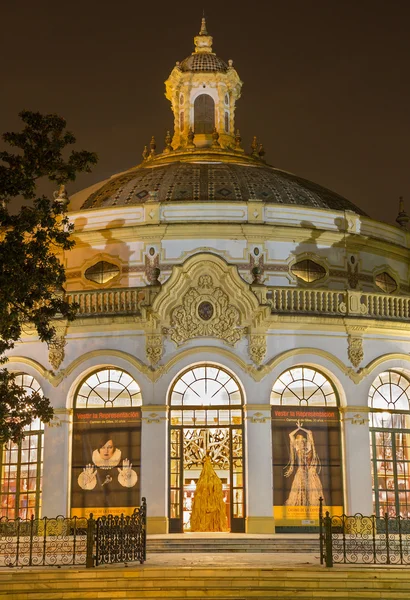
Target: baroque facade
(225, 307)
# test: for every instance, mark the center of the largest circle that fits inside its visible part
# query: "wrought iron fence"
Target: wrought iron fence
(121, 539)
(62, 541)
(359, 539)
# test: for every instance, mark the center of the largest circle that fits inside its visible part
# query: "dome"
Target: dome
(203, 62)
(215, 181)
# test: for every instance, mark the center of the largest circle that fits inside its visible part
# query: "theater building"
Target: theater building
(225, 307)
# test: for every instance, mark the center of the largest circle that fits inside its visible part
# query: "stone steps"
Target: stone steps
(312, 583)
(271, 545)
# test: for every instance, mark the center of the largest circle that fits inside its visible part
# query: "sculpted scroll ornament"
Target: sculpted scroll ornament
(257, 348)
(355, 350)
(206, 311)
(154, 348)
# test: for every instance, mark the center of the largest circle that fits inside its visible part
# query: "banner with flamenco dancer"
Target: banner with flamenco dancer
(307, 464)
(105, 461)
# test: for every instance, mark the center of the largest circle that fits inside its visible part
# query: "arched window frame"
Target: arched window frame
(94, 383)
(317, 380)
(21, 466)
(389, 404)
(204, 127)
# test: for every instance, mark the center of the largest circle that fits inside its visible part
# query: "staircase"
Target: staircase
(196, 542)
(218, 583)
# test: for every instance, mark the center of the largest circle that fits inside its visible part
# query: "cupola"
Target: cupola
(203, 91)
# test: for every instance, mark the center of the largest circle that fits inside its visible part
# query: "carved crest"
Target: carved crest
(206, 311)
(205, 297)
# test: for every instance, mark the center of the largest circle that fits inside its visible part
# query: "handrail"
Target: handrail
(282, 300)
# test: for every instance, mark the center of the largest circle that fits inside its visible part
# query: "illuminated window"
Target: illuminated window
(108, 388)
(206, 386)
(308, 270)
(102, 272)
(22, 467)
(389, 399)
(206, 418)
(303, 386)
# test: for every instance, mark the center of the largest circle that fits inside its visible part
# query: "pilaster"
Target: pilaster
(154, 472)
(56, 465)
(357, 467)
(259, 480)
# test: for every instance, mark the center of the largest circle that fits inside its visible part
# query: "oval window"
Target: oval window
(308, 270)
(102, 272)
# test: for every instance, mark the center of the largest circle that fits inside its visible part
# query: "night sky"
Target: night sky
(326, 83)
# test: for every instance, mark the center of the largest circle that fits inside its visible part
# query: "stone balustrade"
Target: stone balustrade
(283, 300)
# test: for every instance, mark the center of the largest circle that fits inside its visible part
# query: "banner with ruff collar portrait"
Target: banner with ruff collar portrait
(307, 465)
(106, 461)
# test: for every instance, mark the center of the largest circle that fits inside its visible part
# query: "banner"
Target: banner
(307, 464)
(106, 457)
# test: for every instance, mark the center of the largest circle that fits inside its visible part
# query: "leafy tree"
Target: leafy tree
(31, 274)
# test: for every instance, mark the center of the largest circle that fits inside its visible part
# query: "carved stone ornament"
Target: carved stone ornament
(206, 297)
(355, 350)
(56, 352)
(258, 417)
(353, 275)
(154, 348)
(257, 348)
(206, 311)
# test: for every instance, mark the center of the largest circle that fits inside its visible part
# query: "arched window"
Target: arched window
(108, 388)
(106, 448)
(21, 466)
(303, 386)
(181, 121)
(389, 401)
(206, 418)
(306, 448)
(204, 114)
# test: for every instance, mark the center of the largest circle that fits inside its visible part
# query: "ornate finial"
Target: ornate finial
(215, 138)
(145, 153)
(153, 146)
(168, 140)
(257, 276)
(203, 41)
(261, 152)
(156, 272)
(230, 63)
(191, 136)
(255, 146)
(203, 25)
(238, 140)
(402, 218)
(61, 195)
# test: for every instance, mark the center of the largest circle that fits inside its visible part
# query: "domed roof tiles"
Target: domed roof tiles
(213, 182)
(203, 62)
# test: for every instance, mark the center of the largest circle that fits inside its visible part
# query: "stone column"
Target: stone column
(56, 465)
(259, 492)
(154, 466)
(357, 467)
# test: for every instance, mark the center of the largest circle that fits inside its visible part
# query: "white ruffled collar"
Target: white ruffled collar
(110, 462)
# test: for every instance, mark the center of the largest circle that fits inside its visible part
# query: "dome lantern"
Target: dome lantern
(203, 90)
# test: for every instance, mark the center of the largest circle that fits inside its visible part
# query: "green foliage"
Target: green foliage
(31, 274)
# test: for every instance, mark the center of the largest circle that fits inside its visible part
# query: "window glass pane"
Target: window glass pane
(303, 386)
(107, 388)
(19, 464)
(205, 386)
